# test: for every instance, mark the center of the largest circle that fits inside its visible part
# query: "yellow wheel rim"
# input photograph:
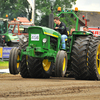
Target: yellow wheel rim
(98, 59)
(64, 64)
(26, 60)
(87, 58)
(46, 64)
(18, 60)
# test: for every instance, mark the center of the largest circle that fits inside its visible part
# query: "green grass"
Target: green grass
(3, 64)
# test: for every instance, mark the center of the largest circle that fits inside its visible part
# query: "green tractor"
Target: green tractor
(41, 55)
(7, 38)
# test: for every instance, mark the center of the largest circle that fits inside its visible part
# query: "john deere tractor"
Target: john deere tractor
(6, 36)
(41, 55)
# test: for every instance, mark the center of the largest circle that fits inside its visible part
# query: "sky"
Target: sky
(88, 5)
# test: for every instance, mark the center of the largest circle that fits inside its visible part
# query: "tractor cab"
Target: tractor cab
(19, 26)
(3, 30)
(6, 37)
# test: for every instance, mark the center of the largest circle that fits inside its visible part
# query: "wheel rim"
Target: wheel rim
(87, 58)
(98, 59)
(18, 61)
(26, 60)
(64, 64)
(46, 64)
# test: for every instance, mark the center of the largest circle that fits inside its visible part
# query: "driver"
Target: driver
(61, 28)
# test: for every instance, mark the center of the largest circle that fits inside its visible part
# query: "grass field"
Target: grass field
(3, 64)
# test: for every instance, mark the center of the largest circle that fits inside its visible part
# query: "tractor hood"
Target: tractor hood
(12, 37)
(45, 30)
(43, 38)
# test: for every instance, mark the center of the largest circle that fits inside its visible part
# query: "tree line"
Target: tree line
(21, 8)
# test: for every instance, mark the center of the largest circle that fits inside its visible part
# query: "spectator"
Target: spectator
(85, 28)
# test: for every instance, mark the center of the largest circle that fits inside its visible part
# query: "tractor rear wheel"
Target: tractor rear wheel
(61, 64)
(14, 61)
(94, 59)
(80, 56)
(38, 68)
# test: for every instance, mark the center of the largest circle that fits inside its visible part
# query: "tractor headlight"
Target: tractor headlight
(24, 39)
(3, 36)
(44, 40)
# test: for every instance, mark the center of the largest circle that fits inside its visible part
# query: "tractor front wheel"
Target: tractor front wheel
(14, 61)
(24, 67)
(38, 68)
(61, 64)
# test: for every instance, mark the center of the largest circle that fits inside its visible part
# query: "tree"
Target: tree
(14, 8)
(43, 8)
(20, 8)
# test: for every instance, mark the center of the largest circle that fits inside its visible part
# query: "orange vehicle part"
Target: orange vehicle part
(19, 26)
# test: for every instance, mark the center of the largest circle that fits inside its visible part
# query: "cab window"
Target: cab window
(16, 29)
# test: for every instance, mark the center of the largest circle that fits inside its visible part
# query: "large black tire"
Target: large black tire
(22, 44)
(61, 64)
(36, 69)
(79, 57)
(94, 56)
(24, 67)
(12, 44)
(24, 64)
(10, 62)
(13, 61)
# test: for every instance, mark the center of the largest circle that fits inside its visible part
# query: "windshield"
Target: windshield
(3, 27)
(10, 28)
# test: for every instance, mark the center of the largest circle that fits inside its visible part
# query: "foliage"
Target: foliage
(69, 21)
(44, 8)
(14, 8)
(20, 8)
(44, 18)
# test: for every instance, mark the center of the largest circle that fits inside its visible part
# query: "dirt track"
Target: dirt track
(17, 88)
